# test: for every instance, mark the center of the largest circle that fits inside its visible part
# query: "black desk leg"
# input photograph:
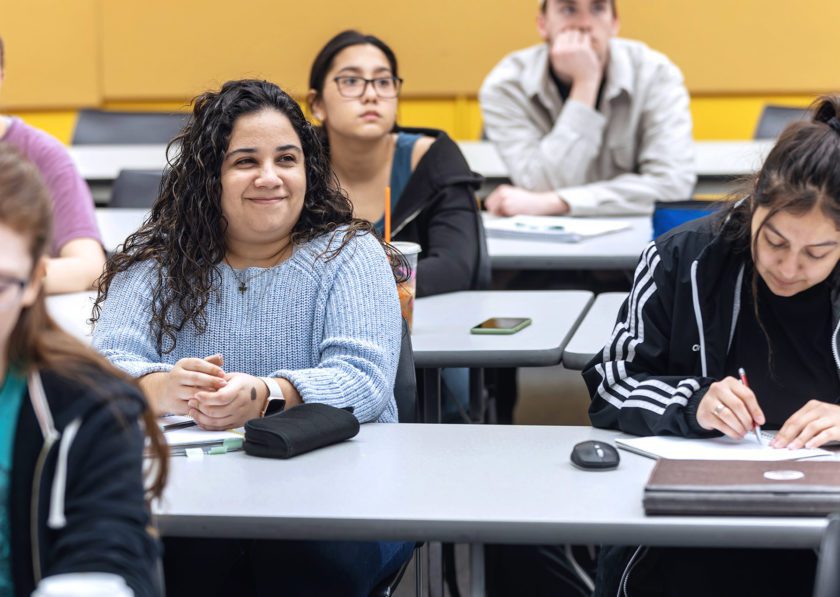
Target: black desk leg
(431, 395)
(477, 395)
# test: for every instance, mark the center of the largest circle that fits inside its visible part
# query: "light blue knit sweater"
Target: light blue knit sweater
(332, 328)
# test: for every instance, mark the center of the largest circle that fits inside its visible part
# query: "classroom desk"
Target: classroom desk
(454, 483)
(717, 162)
(104, 162)
(714, 160)
(71, 311)
(620, 250)
(441, 336)
(116, 224)
(461, 483)
(616, 251)
(594, 331)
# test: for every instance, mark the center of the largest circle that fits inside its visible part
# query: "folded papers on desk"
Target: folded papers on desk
(552, 228)
(184, 441)
(743, 488)
(716, 448)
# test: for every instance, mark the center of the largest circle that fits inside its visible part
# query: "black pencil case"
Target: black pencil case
(299, 430)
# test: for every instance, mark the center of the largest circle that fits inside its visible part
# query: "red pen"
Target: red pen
(756, 429)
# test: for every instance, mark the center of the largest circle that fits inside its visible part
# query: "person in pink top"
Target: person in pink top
(76, 254)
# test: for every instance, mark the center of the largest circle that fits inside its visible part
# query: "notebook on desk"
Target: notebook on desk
(552, 228)
(715, 448)
(743, 488)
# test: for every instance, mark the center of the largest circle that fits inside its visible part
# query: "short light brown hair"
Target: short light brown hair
(542, 9)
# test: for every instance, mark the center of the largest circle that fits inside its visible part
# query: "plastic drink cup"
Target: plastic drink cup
(407, 269)
(83, 584)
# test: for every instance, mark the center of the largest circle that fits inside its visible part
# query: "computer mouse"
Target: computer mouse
(594, 455)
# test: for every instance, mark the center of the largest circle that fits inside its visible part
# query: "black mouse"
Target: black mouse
(595, 455)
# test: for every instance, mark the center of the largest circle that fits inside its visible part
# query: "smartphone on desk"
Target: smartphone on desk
(501, 325)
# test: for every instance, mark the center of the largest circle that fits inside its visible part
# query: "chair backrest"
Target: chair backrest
(483, 273)
(100, 127)
(135, 188)
(670, 214)
(774, 119)
(827, 583)
(405, 384)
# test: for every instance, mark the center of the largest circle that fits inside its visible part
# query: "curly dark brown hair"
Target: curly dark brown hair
(184, 234)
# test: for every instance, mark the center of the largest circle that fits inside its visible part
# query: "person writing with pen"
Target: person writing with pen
(754, 287)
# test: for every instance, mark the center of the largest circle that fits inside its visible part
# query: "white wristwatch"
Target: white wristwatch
(275, 402)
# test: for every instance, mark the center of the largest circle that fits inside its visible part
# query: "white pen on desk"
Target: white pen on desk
(756, 429)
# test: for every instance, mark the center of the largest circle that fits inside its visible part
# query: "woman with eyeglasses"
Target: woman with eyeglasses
(354, 88)
(72, 427)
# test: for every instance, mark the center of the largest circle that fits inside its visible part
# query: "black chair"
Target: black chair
(828, 568)
(774, 119)
(405, 393)
(101, 127)
(135, 188)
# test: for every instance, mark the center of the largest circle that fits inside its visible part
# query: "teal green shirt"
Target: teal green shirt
(11, 397)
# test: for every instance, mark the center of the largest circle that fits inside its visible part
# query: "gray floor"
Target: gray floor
(547, 396)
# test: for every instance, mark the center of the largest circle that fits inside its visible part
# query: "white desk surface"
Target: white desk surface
(616, 251)
(594, 331)
(620, 250)
(713, 158)
(116, 224)
(104, 162)
(71, 311)
(460, 483)
(441, 334)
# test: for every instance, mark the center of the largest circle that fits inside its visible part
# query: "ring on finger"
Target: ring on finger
(719, 408)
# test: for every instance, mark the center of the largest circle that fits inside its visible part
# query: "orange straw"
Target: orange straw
(387, 214)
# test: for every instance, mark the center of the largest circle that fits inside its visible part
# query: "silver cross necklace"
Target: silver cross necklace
(243, 282)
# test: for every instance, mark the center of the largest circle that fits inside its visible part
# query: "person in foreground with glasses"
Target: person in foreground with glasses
(71, 425)
(354, 86)
(251, 254)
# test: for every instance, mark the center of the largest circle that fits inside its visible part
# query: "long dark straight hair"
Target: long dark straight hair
(37, 342)
(801, 172)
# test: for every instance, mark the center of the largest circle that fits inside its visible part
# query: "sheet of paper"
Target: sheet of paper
(557, 228)
(194, 436)
(718, 448)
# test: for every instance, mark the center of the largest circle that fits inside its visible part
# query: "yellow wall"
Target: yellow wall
(122, 54)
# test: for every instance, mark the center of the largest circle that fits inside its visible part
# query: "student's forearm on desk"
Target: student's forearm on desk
(77, 267)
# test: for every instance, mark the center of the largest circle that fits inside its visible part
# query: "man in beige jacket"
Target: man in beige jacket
(587, 123)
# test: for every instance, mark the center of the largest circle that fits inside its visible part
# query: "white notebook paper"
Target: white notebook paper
(718, 448)
(195, 436)
(552, 228)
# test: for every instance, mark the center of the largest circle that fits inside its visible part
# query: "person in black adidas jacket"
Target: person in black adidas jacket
(72, 497)
(755, 286)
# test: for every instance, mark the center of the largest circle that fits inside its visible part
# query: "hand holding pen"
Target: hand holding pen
(730, 407)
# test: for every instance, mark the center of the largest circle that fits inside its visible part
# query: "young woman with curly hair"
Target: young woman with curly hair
(251, 281)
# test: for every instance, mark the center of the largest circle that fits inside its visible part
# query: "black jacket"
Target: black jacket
(96, 520)
(438, 210)
(674, 331)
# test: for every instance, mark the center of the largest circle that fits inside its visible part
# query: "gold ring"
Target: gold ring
(719, 408)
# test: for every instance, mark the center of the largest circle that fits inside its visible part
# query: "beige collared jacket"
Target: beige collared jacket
(617, 160)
